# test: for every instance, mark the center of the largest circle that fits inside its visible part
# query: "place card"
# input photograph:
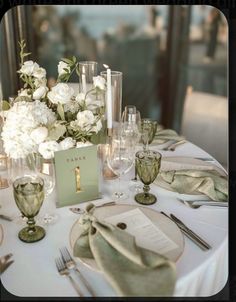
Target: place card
(76, 175)
(147, 234)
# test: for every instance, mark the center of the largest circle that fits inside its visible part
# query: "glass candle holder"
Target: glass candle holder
(87, 70)
(116, 89)
(148, 164)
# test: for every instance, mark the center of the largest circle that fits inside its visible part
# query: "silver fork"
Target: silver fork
(71, 264)
(62, 269)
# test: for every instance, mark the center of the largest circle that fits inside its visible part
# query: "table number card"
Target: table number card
(76, 175)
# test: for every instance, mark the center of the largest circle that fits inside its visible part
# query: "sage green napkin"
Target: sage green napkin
(210, 183)
(163, 135)
(131, 270)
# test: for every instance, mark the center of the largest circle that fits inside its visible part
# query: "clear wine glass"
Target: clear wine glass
(120, 159)
(45, 168)
(148, 129)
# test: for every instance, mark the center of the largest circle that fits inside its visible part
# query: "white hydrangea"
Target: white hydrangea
(22, 119)
(47, 149)
(67, 143)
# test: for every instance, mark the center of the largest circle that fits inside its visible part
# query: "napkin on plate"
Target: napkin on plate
(131, 270)
(164, 135)
(188, 181)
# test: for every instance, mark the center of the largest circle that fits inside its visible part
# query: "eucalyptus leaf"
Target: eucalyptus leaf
(68, 61)
(56, 132)
(60, 111)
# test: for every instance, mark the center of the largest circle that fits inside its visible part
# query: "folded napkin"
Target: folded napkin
(164, 135)
(210, 183)
(131, 270)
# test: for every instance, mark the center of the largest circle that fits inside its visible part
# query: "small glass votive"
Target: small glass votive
(107, 173)
(148, 166)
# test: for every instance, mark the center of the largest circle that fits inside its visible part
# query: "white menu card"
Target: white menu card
(146, 233)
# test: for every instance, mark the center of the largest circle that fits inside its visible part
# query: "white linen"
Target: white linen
(200, 273)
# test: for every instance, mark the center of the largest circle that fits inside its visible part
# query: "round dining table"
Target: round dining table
(200, 273)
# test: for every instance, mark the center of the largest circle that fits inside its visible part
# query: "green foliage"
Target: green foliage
(60, 111)
(56, 131)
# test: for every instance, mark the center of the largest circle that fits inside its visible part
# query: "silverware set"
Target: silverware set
(65, 265)
(195, 204)
(77, 210)
(5, 262)
(189, 233)
(173, 144)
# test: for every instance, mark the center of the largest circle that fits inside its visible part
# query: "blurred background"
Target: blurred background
(173, 58)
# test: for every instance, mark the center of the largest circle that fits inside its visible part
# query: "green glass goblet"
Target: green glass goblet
(29, 195)
(148, 165)
(148, 128)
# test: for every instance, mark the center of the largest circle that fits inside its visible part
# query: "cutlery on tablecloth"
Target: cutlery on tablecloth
(63, 270)
(189, 233)
(195, 204)
(5, 263)
(81, 211)
(205, 159)
(71, 264)
(5, 217)
(173, 146)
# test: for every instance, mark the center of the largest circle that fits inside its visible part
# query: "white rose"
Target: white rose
(97, 127)
(39, 73)
(47, 149)
(81, 144)
(61, 93)
(99, 82)
(40, 93)
(85, 119)
(39, 134)
(29, 67)
(67, 143)
(61, 66)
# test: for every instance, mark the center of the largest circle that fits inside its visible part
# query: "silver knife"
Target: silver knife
(192, 235)
(5, 217)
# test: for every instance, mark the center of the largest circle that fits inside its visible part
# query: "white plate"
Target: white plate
(184, 162)
(162, 222)
(1, 234)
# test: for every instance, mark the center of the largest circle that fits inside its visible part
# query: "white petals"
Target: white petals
(99, 82)
(61, 93)
(61, 66)
(47, 149)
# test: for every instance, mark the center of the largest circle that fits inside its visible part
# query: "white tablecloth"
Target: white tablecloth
(199, 273)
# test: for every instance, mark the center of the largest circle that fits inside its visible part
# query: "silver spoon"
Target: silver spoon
(80, 211)
(198, 203)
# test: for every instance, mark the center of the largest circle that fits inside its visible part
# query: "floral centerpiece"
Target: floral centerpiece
(43, 120)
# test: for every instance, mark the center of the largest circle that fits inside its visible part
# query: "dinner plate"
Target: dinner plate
(1, 234)
(168, 227)
(181, 163)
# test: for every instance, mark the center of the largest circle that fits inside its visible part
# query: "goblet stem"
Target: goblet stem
(146, 189)
(31, 225)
